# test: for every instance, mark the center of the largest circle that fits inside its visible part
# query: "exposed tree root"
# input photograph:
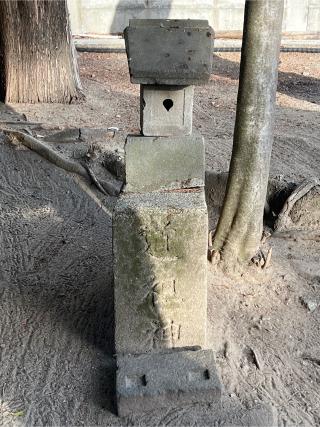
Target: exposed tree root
(19, 123)
(283, 196)
(60, 161)
(261, 260)
(94, 179)
(267, 259)
(106, 187)
(93, 195)
(46, 152)
(283, 221)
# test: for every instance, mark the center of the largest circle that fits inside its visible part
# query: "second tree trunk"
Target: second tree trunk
(37, 57)
(240, 225)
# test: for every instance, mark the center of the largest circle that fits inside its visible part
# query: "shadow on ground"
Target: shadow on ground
(56, 293)
(56, 301)
(294, 85)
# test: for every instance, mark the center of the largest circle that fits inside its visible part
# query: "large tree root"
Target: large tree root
(283, 221)
(63, 163)
(283, 197)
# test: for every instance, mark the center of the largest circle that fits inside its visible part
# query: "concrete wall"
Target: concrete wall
(112, 16)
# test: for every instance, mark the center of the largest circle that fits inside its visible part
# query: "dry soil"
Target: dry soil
(56, 297)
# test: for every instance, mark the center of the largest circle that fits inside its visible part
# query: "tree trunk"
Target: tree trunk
(240, 225)
(37, 55)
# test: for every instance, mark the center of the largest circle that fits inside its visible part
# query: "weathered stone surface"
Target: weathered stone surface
(169, 51)
(160, 271)
(151, 381)
(154, 163)
(165, 111)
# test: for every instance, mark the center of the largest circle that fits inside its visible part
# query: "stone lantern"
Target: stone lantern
(160, 226)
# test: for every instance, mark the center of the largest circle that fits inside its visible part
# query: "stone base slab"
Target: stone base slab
(160, 271)
(158, 163)
(150, 381)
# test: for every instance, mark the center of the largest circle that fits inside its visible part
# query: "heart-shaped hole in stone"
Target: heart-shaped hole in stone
(168, 104)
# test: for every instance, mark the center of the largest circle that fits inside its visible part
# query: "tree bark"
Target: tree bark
(37, 55)
(240, 225)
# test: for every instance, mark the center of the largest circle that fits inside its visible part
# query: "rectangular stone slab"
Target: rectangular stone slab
(150, 381)
(166, 110)
(156, 163)
(169, 51)
(160, 271)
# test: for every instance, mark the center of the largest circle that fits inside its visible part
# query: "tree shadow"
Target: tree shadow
(56, 294)
(291, 84)
(56, 289)
(144, 10)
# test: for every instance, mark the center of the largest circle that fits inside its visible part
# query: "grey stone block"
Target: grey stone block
(151, 381)
(169, 51)
(155, 163)
(166, 110)
(160, 271)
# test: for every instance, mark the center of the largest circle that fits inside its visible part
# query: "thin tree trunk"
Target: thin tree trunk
(240, 225)
(37, 56)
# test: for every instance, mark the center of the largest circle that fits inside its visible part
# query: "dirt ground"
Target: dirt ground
(56, 332)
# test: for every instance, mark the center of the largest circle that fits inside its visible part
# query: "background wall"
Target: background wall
(112, 16)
